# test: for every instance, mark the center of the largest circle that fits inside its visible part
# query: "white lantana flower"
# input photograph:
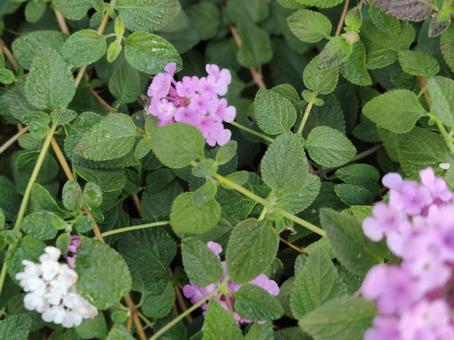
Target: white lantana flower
(51, 290)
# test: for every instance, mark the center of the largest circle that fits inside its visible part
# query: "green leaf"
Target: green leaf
(6, 76)
(15, 327)
(251, 249)
(329, 147)
(177, 145)
(104, 277)
(2, 220)
(352, 194)
(345, 318)
(317, 283)
(200, 264)
(93, 328)
(113, 137)
(205, 193)
(206, 19)
(84, 47)
(119, 332)
(335, 52)
(148, 254)
(147, 15)
(188, 218)
(397, 111)
(74, 9)
(361, 254)
(418, 63)
(226, 152)
(34, 11)
(113, 51)
(274, 113)
(255, 303)
(72, 196)
(319, 3)
(125, 84)
(50, 84)
(361, 174)
(441, 92)
(243, 11)
(27, 248)
(219, 322)
(255, 49)
(42, 225)
(158, 305)
(262, 331)
(92, 195)
(416, 150)
(309, 26)
(384, 22)
(63, 116)
(354, 68)
(320, 80)
(9, 198)
(447, 47)
(150, 53)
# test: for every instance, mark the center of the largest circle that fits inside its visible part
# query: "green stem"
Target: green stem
(305, 116)
(244, 191)
(28, 190)
(448, 139)
(252, 132)
(267, 204)
(136, 227)
(182, 315)
(263, 214)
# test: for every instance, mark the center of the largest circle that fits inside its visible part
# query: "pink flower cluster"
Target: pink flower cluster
(196, 293)
(415, 297)
(70, 254)
(194, 101)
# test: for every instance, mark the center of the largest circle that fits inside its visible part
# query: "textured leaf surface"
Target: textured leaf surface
(201, 265)
(316, 284)
(344, 318)
(251, 249)
(274, 113)
(219, 324)
(361, 254)
(84, 47)
(113, 137)
(397, 111)
(147, 15)
(150, 53)
(50, 84)
(104, 277)
(255, 303)
(309, 26)
(329, 147)
(177, 145)
(188, 218)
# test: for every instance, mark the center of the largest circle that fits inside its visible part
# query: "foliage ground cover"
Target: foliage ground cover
(208, 169)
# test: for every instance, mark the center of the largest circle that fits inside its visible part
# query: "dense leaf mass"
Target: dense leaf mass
(204, 167)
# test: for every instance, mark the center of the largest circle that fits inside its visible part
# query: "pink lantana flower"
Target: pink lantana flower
(196, 293)
(194, 101)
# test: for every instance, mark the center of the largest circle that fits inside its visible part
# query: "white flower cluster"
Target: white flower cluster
(51, 290)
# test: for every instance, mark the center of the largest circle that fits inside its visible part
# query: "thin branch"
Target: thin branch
(61, 22)
(182, 304)
(8, 55)
(256, 75)
(136, 200)
(101, 100)
(307, 112)
(291, 245)
(340, 24)
(12, 140)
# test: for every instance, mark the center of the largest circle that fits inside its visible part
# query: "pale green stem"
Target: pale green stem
(183, 315)
(28, 190)
(448, 139)
(305, 116)
(262, 214)
(136, 227)
(267, 205)
(252, 132)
